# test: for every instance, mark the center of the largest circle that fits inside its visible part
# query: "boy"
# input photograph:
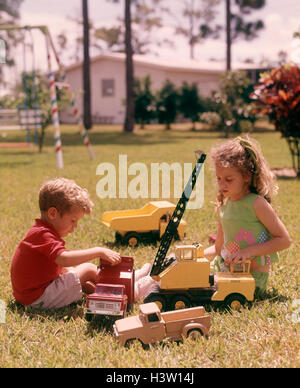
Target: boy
(41, 270)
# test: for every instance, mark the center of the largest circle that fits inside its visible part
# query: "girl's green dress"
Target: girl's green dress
(241, 229)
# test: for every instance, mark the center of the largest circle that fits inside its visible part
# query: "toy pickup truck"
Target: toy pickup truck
(152, 326)
(142, 225)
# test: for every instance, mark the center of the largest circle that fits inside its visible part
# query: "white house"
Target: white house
(108, 85)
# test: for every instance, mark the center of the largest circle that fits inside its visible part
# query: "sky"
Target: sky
(281, 18)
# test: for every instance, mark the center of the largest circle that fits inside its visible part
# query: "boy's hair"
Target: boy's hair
(245, 154)
(62, 194)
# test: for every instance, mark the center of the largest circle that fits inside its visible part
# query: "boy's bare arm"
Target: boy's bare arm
(73, 258)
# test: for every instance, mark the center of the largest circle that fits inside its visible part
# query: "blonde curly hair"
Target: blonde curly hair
(63, 194)
(244, 153)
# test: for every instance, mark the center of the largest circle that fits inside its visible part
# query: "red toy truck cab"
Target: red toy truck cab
(108, 299)
(119, 282)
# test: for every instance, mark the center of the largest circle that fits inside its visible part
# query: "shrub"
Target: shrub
(167, 104)
(144, 107)
(190, 102)
(212, 119)
(234, 102)
(278, 96)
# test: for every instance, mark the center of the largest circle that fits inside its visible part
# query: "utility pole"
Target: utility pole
(87, 120)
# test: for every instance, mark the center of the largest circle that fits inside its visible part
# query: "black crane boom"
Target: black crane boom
(160, 261)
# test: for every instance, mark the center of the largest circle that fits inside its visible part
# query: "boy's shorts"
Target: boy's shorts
(61, 292)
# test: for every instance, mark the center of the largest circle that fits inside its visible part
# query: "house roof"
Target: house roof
(186, 65)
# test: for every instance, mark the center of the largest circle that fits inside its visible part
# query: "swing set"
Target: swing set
(29, 116)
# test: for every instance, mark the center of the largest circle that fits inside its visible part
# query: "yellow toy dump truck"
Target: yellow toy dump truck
(151, 326)
(187, 281)
(142, 225)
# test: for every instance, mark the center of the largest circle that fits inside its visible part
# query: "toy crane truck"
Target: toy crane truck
(114, 294)
(185, 279)
(151, 326)
(142, 225)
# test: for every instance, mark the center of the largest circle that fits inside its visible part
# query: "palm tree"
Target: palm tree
(86, 68)
(238, 27)
(129, 119)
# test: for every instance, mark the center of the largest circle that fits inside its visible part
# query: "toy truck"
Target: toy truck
(187, 281)
(108, 299)
(114, 295)
(151, 326)
(142, 225)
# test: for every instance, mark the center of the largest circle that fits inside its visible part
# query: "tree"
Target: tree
(129, 119)
(87, 119)
(234, 102)
(167, 104)
(144, 107)
(236, 25)
(9, 14)
(146, 17)
(199, 15)
(111, 37)
(277, 95)
(190, 103)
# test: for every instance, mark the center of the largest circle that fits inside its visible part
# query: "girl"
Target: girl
(248, 225)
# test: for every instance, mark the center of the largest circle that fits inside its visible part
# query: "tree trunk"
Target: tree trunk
(228, 36)
(87, 120)
(129, 119)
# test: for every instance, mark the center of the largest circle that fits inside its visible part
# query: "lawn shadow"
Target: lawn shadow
(271, 296)
(99, 324)
(72, 311)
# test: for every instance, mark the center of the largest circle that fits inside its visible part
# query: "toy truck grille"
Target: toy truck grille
(105, 307)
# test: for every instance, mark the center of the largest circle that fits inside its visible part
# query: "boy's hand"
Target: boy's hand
(112, 257)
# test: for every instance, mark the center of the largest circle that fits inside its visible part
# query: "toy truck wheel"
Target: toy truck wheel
(132, 239)
(180, 302)
(235, 301)
(118, 237)
(89, 317)
(194, 334)
(130, 342)
(158, 299)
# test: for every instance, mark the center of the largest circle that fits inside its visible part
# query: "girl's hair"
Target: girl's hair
(62, 194)
(245, 154)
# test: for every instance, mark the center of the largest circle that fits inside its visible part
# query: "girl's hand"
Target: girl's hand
(112, 257)
(241, 255)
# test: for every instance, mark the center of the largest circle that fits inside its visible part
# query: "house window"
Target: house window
(108, 87)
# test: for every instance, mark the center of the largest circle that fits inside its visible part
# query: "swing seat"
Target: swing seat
(19, 120)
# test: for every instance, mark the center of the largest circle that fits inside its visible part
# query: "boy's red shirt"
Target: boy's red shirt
(33, 266)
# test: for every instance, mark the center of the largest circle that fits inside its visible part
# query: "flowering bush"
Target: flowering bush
(278, 96)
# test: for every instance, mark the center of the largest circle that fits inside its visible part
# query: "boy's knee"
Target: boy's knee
(87, 271)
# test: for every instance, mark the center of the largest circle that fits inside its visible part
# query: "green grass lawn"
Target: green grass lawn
(261, 336)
